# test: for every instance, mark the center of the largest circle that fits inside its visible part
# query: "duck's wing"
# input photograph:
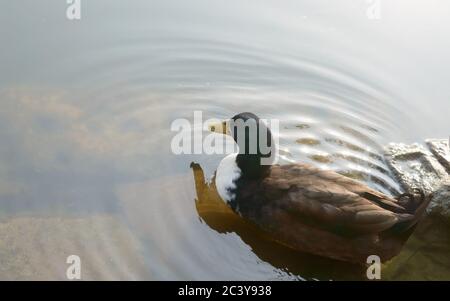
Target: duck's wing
(351, 185)
(331, 200)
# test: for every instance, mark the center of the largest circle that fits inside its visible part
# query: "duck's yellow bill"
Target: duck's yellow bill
(221, 127)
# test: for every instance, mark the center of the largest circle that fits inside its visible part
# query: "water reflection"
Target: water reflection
(425, 256)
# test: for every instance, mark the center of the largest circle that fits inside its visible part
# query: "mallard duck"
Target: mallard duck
(309, 209)
(218, 216)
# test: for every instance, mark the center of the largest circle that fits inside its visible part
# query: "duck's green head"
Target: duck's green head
(253, 138)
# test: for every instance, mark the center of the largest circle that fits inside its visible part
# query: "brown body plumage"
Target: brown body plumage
(327, 214)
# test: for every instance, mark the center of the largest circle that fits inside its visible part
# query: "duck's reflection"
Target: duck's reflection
(217, 215)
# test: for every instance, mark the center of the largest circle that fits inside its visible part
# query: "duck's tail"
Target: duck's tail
(416, 203)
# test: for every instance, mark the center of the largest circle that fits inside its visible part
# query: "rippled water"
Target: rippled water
(86, 107)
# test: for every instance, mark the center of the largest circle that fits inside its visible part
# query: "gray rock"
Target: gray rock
(440, 149)
(415, 167)
(440, 204)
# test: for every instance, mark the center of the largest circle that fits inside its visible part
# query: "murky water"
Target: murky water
(86, 106)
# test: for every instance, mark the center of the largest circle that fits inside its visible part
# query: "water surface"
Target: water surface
(86, 106)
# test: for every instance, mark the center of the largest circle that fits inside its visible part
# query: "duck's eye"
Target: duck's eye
(213, 129)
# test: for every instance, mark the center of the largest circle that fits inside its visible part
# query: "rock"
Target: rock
(440, 149)
(440, 204)
(415, 167)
